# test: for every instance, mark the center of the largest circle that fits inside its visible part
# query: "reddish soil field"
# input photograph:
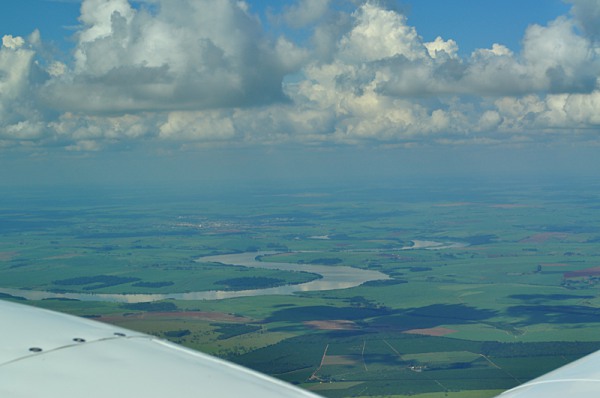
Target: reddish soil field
(340, 360)
(331, 325)
(432, 331)
(455, 204)
(63, 256)
(544, 237)
(206, 316)
(555, 265)
(584, 272)
(6, 256)
(508, 206)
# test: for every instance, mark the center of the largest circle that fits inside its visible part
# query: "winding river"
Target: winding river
(332, 277)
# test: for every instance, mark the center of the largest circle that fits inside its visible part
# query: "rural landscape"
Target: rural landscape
(363, 198)
(416, 288)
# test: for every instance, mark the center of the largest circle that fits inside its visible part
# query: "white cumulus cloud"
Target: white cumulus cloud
(379, 34)
(184, 54)
(180, 73)
(587, 15)
(306, 12)
(11, 42)
(439, 46)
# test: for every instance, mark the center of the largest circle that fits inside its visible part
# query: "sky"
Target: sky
(198, 91)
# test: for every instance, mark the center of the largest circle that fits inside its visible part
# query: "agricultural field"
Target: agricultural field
(484, 285)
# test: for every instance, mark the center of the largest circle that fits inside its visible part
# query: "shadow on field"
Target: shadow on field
(532, 314)
(323, 313)
(384, 318)
(432, 316)
(540, 298)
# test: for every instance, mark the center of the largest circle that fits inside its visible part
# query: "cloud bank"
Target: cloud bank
(189, 73)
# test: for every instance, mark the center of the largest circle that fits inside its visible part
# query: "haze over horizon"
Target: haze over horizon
(117, 91)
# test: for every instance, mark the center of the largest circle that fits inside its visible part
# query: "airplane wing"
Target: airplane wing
(58, 355)
(49, 354)
(579, 379)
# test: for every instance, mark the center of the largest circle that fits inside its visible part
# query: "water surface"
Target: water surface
(332, 277)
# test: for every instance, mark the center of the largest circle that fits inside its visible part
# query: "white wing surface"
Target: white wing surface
(48, 354)
(579, 379)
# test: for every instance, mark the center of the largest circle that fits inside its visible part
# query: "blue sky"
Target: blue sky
(494, 21)
(480, 24)
(116, 90)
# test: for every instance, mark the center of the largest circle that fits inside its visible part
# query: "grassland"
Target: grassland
(515, 297)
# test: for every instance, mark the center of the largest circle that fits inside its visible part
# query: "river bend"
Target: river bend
(332, 277)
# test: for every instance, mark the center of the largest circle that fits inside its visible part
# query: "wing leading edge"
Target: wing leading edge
(44, 353)
(580, 379)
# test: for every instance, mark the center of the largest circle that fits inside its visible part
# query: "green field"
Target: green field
(509, 293)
